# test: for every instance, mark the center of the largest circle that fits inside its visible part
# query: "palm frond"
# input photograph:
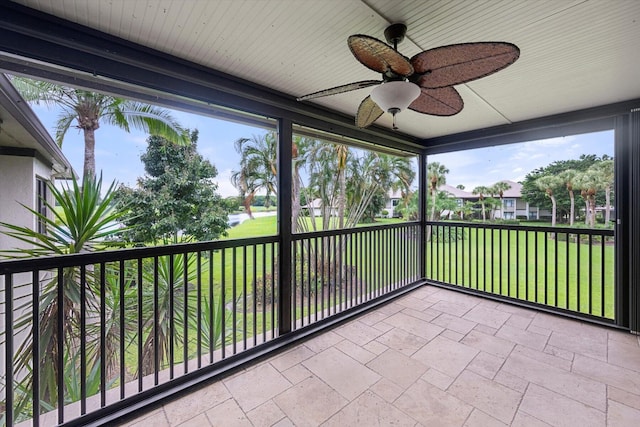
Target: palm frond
(148, 118)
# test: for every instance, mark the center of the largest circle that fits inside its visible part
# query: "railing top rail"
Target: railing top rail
(73, 260)
(353, 230)
(570, 230)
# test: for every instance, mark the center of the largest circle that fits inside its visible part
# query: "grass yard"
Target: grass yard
(528, 265)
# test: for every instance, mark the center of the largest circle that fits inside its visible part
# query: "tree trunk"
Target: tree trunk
(295, 200)
(572, 210)
(587, 218)
(484, 214)
(247, 204)
(433, 205)
(607, 206)
(592, 202)
(553, 211)
(89, 153)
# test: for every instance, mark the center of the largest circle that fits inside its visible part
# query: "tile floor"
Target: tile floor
(435, 358)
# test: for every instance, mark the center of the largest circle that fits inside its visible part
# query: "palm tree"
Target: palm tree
(607, 174)
(436, 174)
(480, 191)
(258, 167)
(499, 188)
(590, 181)
(547, 184)
(88, 109)
(568, 177)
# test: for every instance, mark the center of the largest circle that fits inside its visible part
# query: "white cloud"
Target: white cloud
(225, 188)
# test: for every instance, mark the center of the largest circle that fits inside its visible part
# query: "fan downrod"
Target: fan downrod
(395, 33)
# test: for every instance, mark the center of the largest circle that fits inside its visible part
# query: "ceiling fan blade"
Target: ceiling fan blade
(368, 112)
(461, 63)
(379, 56)
(340, 89)
(445, 101)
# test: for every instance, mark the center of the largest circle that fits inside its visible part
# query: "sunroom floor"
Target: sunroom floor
(433, 357)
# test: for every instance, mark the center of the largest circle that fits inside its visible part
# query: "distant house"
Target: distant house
(513, 205)
(394, 200)
(29, 159)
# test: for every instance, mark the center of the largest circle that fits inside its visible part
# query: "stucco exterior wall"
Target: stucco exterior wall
(17, 185)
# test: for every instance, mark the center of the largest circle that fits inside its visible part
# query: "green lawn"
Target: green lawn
(524, 265)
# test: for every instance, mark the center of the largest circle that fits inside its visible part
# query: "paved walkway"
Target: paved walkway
(432, 358)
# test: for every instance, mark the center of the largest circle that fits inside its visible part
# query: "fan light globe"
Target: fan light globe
(395, 96)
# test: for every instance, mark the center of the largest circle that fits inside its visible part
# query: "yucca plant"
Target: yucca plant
(156, 306)
(82, 224)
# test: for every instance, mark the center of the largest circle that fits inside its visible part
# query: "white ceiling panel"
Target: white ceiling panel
(574, 53)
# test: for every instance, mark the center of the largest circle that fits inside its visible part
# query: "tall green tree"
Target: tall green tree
(437, 176)
(549, 184)
(568, 177)
(499, 188)
(86, 110)
(258, 167)
(177, 197)
(536, 197)
(481, 191)
(607, 174)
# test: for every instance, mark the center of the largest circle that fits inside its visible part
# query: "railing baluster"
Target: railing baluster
(254, 280)
(602, 276)
(590, 266)
(60, 345)
(223, 301)
(121, 319)
(244, 298)
(156, 314)
(264, 292)
(199, 308)
(234, 296)
(35, 355)
(139, 289)
(83, 341)
(546, 268)
(578, 271)
(555, 294)
(8, 324)
(567, 269)
(171, 315)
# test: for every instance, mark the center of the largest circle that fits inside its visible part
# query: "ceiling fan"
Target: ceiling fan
(423, 83)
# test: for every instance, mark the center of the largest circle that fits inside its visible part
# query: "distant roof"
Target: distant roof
(456, 192)
(22, 130)
(514, 192)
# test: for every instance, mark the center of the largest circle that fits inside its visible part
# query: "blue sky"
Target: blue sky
(118, 152)
(487, 166)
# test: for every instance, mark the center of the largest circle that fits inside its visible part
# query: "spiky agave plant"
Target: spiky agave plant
(82, 223)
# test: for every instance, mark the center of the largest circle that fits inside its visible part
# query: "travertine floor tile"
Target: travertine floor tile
(480, 419)
(487, 316)
(397, 367)
(433, 407)
(402, 341)
(310, 403)
(462, 361)
(622, 415)
(624, 379)
(369, 410)
(488, 343)
(495, 399)
(569, 384)
(198, 421)
(414, 326)
(522, 337)
(342, 373)
(186, 407)
(558, 410)
(227, 414)
(358, 332)
(266, 414)
(454, 323)
(248, 395)
(447, 356)
(291, 357)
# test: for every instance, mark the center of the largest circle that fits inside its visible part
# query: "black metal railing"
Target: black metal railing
(564, 268)
(340, 269)
(131, 320)
(83, 334)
